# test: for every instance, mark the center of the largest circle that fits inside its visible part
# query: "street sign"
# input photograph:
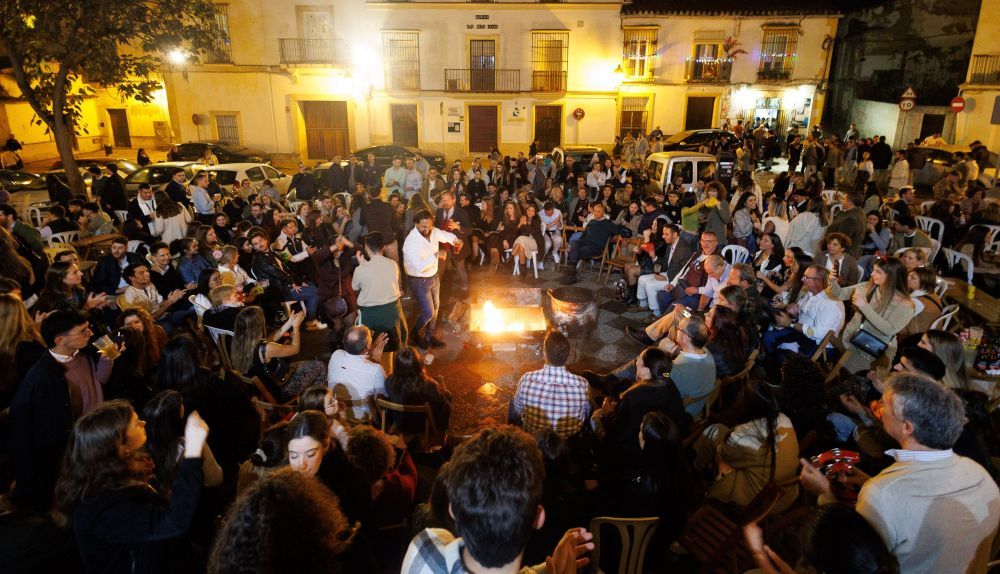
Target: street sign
(957, 104)
(907, 105)
(909, 94)
(579, 113)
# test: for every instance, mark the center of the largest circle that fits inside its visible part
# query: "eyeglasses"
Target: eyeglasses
(808, 277)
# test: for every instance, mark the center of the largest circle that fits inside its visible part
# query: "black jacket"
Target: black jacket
(460, 216)
(40, 423)
(266, 267)
(336, 178)
(112, 194)
(178, 192)
(380, 216)
(304, 185)
(115, 530)
(108, 273)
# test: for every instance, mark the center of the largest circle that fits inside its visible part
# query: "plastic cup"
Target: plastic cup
(107, 347)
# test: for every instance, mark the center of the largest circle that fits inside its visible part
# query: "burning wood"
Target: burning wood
(492, 319)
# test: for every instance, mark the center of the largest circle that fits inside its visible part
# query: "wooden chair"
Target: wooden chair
(635, 535)
(564, 248)
(821, 359)
(430, 427)
(271, 413)
(714, 534)
(727, 381)
(624, 255)
(710, 398)
(221, 338)
(252, 386)
(819, 355)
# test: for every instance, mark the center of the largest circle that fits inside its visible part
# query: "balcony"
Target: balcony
(708, 71)
(773, 74)
(546, 81)
(482, 80)
(985, 70)
(313, 51)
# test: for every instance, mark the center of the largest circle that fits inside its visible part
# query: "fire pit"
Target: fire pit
(502, 319)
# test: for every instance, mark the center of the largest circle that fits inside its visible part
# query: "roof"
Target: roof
(730, 7)
(668, 155)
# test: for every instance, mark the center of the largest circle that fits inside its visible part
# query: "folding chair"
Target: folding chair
(635, 535)
(944, 319)
(271, 413)
(624, 255)
(428, 439)
(564, 248)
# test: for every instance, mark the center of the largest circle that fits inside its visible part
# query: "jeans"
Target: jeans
(773, 339)
(665, 299)
(427, 292)
(308, 295)
(173, 319)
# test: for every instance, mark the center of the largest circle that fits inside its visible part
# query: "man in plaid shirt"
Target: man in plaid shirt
(552, 397)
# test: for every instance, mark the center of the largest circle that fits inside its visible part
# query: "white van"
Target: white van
(690, 166)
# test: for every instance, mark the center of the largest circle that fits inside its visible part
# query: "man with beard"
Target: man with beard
(420, 260)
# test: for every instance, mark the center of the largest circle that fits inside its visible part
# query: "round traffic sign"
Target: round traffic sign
(907, 104)
(957, 104)
(579, 113)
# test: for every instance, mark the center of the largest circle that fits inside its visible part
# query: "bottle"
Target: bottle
(971, 292)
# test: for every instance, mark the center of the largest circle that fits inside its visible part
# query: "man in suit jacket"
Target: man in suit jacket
(677, 254)
(108, 271)
(450, 217)
(851, 221)
(26, 234)
(909, 235)
(433, 185)
(336, 177)
(140, 214)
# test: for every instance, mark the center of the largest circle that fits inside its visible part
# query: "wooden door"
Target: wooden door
(700, 111)
(404, 124)
(548, 127)
(119, 128)
(327, 132)
(482, 128)
(482, 65)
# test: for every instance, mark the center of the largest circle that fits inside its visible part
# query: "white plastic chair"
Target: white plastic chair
(736, 254)
(991, 243)
(35, 216)
(931, 226)
(122, 215)
(133, 245)
(64, 237)
(944, 319)
(955, 257)
(531, 261)
(941, 287)
(835, 209)
(830, 196)
(635, 535)
(925, 206)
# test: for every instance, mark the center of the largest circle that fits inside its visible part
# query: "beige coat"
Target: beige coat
(884, 325)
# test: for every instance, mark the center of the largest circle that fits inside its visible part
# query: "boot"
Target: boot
(633, 295)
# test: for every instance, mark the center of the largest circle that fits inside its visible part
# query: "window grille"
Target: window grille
(632, 117)
(223, 51)
(777, 53)
(549, 61)
(402, 60)
(227, 127)
(639, 51)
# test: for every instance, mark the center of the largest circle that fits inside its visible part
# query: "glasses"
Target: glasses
(808, 277)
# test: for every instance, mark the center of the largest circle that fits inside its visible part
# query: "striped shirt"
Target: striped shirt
(552, 398)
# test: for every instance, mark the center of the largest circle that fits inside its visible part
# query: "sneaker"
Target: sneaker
(316, 325)
(436, 343)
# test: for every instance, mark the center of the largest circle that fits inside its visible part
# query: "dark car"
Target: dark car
(385, 153)
(15, 180)
(691, 140)
(158, 174)
(582, 156)
(124, 166)
(225, 152)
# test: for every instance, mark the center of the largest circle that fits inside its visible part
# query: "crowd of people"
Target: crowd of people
(160, 413)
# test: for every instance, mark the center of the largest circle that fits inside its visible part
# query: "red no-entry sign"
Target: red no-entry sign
(957, 104)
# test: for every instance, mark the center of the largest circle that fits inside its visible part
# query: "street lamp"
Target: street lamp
(176, 56)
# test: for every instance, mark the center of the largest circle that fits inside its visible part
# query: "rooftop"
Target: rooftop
(727, 7)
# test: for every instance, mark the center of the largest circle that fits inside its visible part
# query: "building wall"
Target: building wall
(20, 119)
(975, 122)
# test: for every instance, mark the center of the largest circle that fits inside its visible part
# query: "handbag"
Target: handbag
(870, 344)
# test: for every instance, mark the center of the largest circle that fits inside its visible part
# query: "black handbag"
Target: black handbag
(870, 344)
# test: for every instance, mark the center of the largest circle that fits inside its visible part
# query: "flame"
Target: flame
(494, 322)
(492, 319)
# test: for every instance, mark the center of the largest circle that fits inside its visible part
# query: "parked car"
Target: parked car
(226, 152)
(691, 140)
(319, 173)
(691, 166)
(124, 166)
(37, 192)
(158, 174)
(385, 153)
(930, 164)
(227, 173)
(15, 180)
(583, 156)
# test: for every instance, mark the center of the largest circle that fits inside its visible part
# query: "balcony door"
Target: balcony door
(482, 65)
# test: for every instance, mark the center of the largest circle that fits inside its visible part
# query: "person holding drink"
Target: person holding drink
(421, 250)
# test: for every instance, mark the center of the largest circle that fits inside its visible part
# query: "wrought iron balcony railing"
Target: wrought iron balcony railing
(482, 80)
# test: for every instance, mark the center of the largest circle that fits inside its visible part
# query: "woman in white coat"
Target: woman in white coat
(806, 230)
(171, 219)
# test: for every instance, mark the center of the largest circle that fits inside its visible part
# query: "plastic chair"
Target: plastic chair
(133, 245)
(64, 237)
(941, 287)
(955, 257)
(635, 535)
(531, 261)
(35, 216)
(829, 196)
(835, 209)
(221, 339)
(925, 206)
(931, 226)
(736, 254)
(944, 319)
(991, 243)
(122, 215)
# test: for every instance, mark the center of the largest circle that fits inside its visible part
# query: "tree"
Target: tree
(56, 45)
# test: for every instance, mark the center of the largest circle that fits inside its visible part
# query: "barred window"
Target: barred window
(227, 127)
(778, 53)
(402, 60)
(223, 51)
(638, 53)
(549, 61)
(633, 115)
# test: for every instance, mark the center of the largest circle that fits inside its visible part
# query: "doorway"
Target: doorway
(119, 128)
(404, 124)
(548, 127)
(700, 112)
(327, 134)
(482, 65)
(932, 124)
(482, 128)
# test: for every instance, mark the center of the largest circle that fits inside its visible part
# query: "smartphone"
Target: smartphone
(298, 306)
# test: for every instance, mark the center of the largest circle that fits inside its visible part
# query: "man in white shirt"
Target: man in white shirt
(354, 373)
(936, 511)
(142, 293)
(420, 261)
(552, 224)
(413, 180)
(806, 322)
(899, 177)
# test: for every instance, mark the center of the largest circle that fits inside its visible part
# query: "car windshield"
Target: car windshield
(228, 146)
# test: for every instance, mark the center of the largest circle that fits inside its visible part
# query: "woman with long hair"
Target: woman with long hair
(322, 398)
(139, 320)
(746, 222)
(409, 384)
(340, 219)
(209, 246)
(254, 354)
(948, 347)
(128, 378)
(837, 259)
(313, 453)
(883, 308)
(16, 267)
(529, 235)
(208, 279)
(788, 282)
(760, 447)
(507, 233)
(630, 217)
(21, 345)
(769, 258)
(728, 340)
(190, 263)
(103, 491)
(928, 305)
(484, 228)
(170, 219)
(164, 417)
(269, 456)
(64, 290)
(715, 209)
(222, 228)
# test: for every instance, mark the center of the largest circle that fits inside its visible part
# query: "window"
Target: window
(270, 172)
(777, 53)
(638, 53)
(656, 169)
(682, 169)
(140, 176)
(549, 61)
(223, 51)
(225, 177)
(632, 119)
(402, 60)
(254, 174)
(227, 128)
